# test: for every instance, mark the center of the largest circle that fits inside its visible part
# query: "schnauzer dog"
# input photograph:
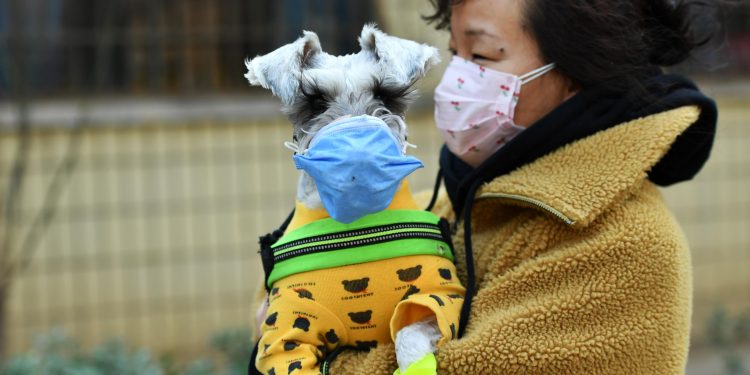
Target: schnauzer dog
(317, 90)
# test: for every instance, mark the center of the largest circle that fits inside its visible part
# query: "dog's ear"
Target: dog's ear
(406, 60)
(281, 70)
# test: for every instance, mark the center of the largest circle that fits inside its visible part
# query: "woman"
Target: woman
(576, 266)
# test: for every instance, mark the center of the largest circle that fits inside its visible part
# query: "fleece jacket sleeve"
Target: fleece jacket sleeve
(613, 298)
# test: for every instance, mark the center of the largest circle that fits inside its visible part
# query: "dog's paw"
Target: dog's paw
(415, 341)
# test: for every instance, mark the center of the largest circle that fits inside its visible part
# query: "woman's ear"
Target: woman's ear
(572, 86)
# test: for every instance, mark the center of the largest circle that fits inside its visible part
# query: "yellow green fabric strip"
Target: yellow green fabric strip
(425, 366)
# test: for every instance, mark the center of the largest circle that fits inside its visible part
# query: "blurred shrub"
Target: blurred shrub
(234, 346)
(729, 334)
(55, 353)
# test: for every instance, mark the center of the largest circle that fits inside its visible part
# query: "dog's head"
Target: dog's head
(317, 88)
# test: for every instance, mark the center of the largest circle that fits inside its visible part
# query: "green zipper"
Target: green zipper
(539, 204)
(329, 244)
(354, 235)
(370, 239)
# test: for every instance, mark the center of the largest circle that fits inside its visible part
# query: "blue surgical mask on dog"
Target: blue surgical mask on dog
(357, 165)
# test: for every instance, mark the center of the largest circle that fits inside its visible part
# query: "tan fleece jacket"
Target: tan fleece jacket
(580, 266)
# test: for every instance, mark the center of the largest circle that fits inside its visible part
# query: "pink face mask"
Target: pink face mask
(474, 108)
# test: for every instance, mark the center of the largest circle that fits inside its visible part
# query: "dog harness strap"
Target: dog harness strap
(383, 235)
(266, 241)
(435, 190)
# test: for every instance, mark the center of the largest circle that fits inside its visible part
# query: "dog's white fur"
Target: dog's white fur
(347, 80)
(281, 71)
(303, 62)
(416, 340)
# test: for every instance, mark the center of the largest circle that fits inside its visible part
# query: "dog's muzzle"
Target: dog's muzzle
(357, 165)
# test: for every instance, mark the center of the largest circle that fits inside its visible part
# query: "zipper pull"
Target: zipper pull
(447, 233)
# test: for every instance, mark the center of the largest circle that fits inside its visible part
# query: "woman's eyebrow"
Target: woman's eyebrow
(476, 32)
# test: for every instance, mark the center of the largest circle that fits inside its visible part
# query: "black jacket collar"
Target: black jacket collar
(590, 111)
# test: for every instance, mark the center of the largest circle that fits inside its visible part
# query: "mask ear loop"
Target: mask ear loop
(405, 144)
(292, 146)
(536, 73)
(386, 114)
(408, 145)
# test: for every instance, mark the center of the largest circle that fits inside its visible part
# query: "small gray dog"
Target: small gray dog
(318, 89)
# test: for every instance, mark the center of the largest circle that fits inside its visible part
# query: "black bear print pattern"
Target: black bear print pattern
(366, 345)
(294, 366)
(301, 330)
(271, 319)
(437, 299)
(304, 293)
(332, 337)
(362, 317)
(356, 286)
(302, 323)
(412, 290)
(445, 273)
(290, 345)
(410, 274)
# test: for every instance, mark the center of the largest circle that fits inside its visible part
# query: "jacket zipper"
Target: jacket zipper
(357, 243)
(538, 204)
(354, 233)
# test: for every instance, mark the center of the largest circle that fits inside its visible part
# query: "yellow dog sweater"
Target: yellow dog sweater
(335, 285)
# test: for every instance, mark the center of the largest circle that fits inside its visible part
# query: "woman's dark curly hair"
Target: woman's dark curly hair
(610, 43)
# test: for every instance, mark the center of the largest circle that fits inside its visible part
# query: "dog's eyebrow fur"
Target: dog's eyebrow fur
(312, 100)
(396, 97)
(316, 104)
(314, 92)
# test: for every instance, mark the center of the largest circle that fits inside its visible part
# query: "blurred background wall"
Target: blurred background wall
(137, 168)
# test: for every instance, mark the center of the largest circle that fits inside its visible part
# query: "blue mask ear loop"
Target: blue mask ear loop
(469, 254)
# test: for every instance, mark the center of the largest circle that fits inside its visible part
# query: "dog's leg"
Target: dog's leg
(415, 341)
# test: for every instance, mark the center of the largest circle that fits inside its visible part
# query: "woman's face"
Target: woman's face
(492, 33)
